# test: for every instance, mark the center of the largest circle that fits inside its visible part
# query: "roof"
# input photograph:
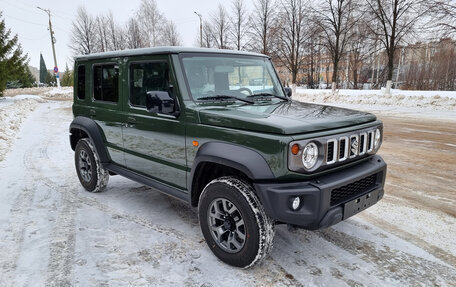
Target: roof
(162, 50)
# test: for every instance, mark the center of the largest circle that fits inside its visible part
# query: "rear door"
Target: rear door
(154, 142)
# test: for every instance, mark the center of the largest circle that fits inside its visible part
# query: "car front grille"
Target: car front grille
(349, 147)
(349, 191)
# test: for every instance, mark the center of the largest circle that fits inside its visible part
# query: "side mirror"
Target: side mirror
(161, 103)
(288, 91)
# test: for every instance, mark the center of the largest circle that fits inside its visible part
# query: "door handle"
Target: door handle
(92, 113)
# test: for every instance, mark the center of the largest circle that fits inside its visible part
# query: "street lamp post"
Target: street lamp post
(56, 69)
(201, 27)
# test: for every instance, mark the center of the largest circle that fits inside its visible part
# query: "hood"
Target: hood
(286, 118)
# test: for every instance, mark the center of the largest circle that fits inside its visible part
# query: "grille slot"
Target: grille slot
(349, 191)
(362, 143)
(343, 148)
(330, 152)
(370, 145)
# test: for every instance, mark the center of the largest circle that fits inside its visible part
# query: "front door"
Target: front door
(154, 141)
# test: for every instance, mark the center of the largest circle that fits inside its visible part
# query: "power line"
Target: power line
(25, 21)
(58, 10)
(33, 39)
(34, 23)
(27, 8)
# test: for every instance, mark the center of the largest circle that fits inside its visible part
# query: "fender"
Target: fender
(95, 134)
(238, 157)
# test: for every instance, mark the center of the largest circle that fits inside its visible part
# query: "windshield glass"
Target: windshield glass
(234, 76)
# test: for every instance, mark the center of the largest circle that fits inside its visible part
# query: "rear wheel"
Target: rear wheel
(92, 175)
(234, 223)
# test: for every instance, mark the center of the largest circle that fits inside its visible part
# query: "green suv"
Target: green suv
(217, 129)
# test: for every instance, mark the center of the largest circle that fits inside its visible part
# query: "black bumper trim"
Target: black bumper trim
(316, 211)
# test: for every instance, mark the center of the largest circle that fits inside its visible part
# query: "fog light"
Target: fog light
(296, 203)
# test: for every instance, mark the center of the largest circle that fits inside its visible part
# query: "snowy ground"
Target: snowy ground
(53, 233)
(398, 100)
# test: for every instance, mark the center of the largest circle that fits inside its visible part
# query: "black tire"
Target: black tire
(91, 174)
(237, 243)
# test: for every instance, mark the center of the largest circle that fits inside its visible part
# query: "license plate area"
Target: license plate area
(359, 204)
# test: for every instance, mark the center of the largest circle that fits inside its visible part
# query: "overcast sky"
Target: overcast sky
(24, 19)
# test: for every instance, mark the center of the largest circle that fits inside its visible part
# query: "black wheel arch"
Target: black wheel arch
(225, 159)
(82, 127)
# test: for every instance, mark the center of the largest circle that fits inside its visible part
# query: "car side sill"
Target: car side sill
(172, 191)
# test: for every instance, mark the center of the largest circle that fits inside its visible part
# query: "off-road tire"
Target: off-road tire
(99, 177)
(259, 228)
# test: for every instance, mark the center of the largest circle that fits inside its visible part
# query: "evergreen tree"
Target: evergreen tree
(67, 78)
(43, 70)
(13, 62)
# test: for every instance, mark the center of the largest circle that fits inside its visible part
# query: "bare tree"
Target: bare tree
(426, 70)
(360, 49)
(171, 36)
(239, 24)
(262, 25)
(102, 30)
(313, 55)
(397, 19)
(151, 20)
(116, 34)
(134, 36)
(336, 20)
(220, 27)
(444, 16)
(83, 33)
(291, 36)
(208, 35)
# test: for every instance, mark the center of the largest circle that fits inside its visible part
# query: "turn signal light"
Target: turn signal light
(295, 149)
(195, 143)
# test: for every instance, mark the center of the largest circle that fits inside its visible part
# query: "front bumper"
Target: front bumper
(328, 199)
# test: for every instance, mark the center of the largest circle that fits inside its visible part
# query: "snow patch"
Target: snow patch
(63, 92)
(13, 110)
(427, 100)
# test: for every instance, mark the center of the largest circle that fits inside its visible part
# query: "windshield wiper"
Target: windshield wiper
(267, 95)
(226, 97)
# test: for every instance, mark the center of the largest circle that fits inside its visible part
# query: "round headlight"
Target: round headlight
(377, 138)
(310, 155)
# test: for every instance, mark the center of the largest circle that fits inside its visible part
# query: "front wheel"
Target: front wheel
(92, 175)
(234, 223)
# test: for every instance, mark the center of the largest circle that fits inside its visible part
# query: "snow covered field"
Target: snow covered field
(403, 102)
(53, 233)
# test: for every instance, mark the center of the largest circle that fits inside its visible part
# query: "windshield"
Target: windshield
(242, 77)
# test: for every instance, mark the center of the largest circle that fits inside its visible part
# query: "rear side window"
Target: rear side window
(145, 77)
(81, 82)
(106, 83)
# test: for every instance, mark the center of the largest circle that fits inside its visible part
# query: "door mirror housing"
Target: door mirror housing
(161, 103)
(288, 91)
